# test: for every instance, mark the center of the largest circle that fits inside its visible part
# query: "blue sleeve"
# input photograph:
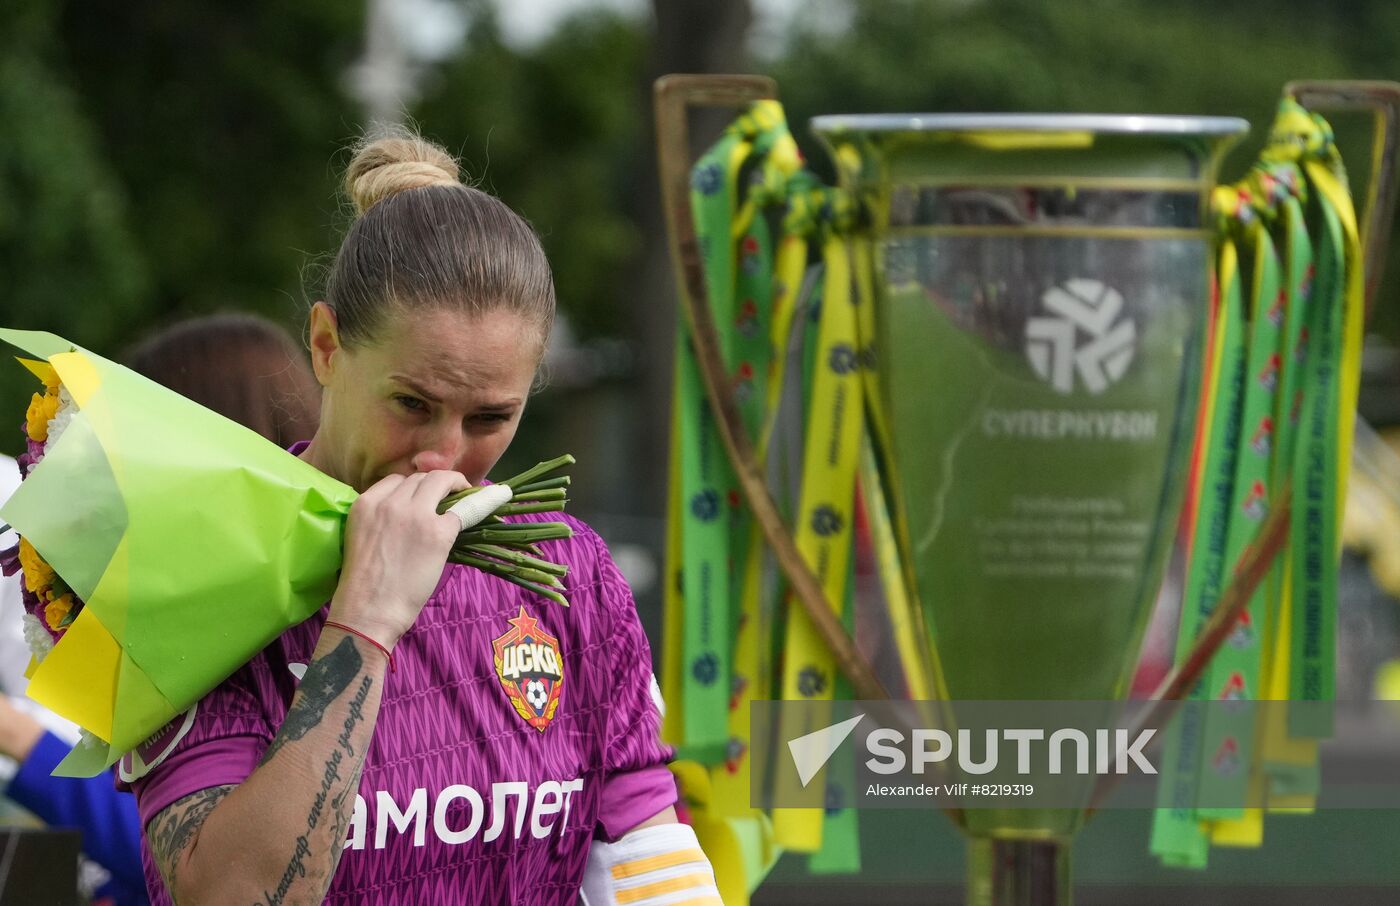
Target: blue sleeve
(107, 818)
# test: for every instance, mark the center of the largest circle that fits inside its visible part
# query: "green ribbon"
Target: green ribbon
(766, 292)
(1280, 409)
(1228, 736)
(1290, 772)
(840, 849)
(1331, 372)
(1313, 533)
(707, 480)
(1176, 833)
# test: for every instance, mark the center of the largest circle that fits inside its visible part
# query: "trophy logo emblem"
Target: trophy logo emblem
(1081, 333)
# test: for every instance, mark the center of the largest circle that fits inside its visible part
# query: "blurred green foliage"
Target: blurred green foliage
(166, 159)
(555, 130)
(1100, 56)
(220, 121)
(67, 251)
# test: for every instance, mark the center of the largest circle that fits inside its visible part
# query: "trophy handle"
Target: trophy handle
(674, 96)
(1383, 100)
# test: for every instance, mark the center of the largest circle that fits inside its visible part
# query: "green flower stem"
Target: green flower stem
(506, 549)
(516, 533)
(452, 498)
(520, 509)
(544, 468)
(524, 485)
(549, 593)
(535, 587)
(497, 568)
(514, 556)
(545, 494)
(562, 481)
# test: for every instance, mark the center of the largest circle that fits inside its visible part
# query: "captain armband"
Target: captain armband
(661, 865)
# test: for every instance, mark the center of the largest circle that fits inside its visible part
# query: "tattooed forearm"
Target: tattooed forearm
(343, 813)
(297, 868)
(173, 831)
(356, 714)
(325, 679)
(340, 814)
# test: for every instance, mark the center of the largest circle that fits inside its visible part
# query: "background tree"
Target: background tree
(67, 254)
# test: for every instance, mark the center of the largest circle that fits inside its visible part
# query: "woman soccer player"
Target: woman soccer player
(434, 734)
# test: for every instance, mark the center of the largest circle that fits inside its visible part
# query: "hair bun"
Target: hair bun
(389, 165)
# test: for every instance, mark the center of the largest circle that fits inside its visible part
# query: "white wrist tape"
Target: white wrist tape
(661, 865)
(475, 507)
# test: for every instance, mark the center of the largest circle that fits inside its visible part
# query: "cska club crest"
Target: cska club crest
(531, 668)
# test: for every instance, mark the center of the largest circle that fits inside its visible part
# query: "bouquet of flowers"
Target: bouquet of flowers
(163, 545)
(49, 604)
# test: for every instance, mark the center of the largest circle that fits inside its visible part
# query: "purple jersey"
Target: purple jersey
(512, 733)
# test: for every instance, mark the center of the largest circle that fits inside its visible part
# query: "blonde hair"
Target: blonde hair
(423, 240)
(396, 163)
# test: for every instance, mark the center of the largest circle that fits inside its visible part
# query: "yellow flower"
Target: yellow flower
(36, 422)
(41, 409)
(37, 572)
(57, 610)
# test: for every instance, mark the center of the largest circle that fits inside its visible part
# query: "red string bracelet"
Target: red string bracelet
(353, 631)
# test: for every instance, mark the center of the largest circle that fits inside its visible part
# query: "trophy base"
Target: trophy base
(1018, 872)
